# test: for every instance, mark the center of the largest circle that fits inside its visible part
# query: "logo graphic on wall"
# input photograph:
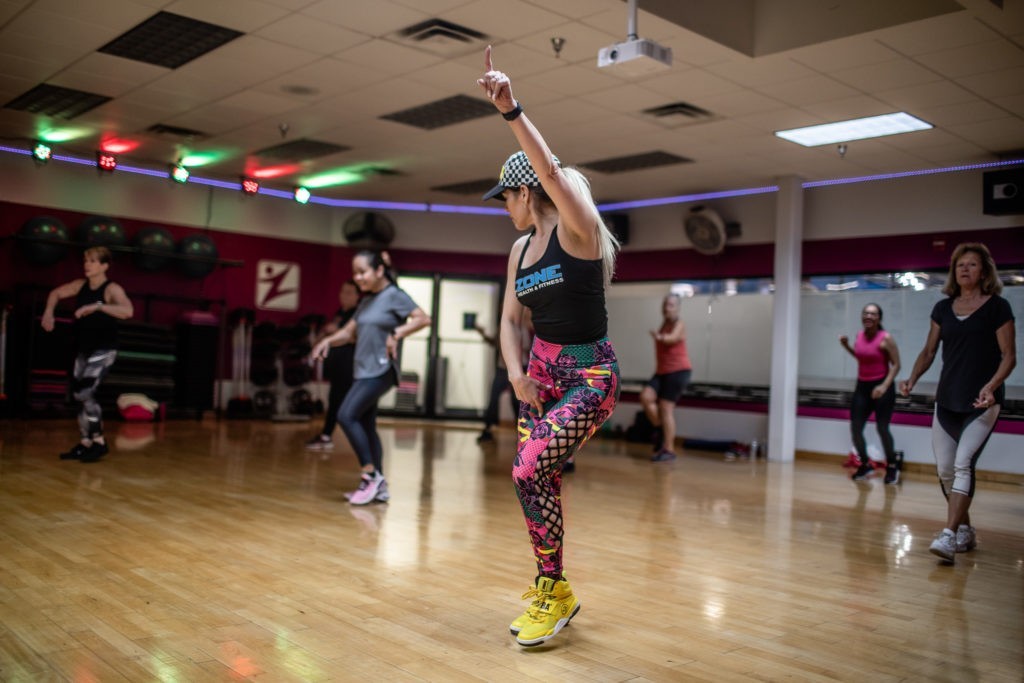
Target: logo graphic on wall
(277, 285)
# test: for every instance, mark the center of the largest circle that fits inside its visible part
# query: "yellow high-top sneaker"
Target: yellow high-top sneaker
(553, 606)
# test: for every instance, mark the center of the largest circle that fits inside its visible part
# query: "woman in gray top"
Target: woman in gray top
(383, 318)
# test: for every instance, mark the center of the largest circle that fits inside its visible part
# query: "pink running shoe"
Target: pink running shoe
(367, 490)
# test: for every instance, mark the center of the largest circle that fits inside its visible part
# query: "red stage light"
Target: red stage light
(250, 186)
(105, 161)
(275, 171)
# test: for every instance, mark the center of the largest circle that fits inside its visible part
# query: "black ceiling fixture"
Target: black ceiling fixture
(446, 112)
(635, 162)
(55, 101)
(169, 40)
(299, 150)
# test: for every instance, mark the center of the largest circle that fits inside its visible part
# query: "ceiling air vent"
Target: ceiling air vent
(300, 150)
(470, 187)
(169, 40)
(635, 162)
(165, 131)
(55, 101)
(444, 112)
(679, 114)
(441, 37)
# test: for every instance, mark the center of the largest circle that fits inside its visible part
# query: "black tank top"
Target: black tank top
(97, 330)
(565, 294)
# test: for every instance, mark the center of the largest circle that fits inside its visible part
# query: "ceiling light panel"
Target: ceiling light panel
(854, 129)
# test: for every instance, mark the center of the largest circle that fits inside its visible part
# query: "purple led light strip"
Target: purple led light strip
(474, 210)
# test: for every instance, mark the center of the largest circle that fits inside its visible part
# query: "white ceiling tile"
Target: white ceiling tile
(845, 53)
(247, 61)
(996, 135)
(739, 103)
(998, 83)
(371, 17)
(918, 97)
(299, 30)
(388, 57)
(899, 73)
(946, 31)
(240, 15)
(507, 20)
(689, 85)
(849, 108)
(955, 152)
(575, 9)
(974, 59)
(808, 90)
(963, 113)
(328, 76)
(762, 71)
(116, 16)
(1014, 103)
(573, 80)
(581, 42)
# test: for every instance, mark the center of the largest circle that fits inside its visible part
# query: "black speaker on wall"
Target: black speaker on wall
(1004, 192)
(618, 223)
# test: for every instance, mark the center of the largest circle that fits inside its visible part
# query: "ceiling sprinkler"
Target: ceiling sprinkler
(557, 43)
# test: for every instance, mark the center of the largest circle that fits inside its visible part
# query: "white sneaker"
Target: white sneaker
(944, 546)
(965, 538)
(368, 488)
(320, 442)
(383, 495)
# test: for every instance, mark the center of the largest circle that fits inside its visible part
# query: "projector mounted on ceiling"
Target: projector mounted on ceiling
(636, 56)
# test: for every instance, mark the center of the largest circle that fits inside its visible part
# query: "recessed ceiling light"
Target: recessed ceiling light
(854, 129)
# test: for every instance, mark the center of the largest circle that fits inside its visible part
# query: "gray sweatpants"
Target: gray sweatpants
(957, 442)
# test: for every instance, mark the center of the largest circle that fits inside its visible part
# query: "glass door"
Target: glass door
(467, 318)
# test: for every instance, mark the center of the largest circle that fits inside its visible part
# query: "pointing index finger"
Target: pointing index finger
(487, 59)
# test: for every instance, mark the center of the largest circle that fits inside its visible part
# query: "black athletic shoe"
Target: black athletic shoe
(863, 472)
(75, 453)
(485, 436)
(568, 466)
(94, 452)
(892, 474)
(657, 436)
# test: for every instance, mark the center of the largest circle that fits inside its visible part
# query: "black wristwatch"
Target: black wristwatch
(514, 114)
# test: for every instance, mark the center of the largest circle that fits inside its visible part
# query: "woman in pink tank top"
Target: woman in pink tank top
(671, 376)
(878, 362)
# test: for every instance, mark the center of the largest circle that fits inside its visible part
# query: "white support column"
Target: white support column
(789, 222)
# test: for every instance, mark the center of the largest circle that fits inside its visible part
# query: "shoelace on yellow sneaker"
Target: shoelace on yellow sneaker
(540, 604)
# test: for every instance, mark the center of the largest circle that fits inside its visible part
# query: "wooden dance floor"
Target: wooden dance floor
(223, 551)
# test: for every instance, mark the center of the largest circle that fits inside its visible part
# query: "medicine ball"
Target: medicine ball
(155, 247)
(101, 231)
(200, 255)
(43, 240)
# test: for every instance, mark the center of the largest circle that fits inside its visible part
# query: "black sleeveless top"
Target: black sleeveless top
(565, 295)
(96, 331)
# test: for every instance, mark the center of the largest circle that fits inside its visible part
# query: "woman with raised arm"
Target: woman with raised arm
(976, 329)
(384, 316)
(878, 363)
(558, 271)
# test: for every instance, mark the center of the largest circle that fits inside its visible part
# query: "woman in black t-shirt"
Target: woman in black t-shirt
(976, 328)
(337, 366)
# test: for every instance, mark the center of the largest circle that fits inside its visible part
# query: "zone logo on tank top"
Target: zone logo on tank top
(539, 279)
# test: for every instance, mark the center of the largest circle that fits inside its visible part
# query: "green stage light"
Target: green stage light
(301, 195)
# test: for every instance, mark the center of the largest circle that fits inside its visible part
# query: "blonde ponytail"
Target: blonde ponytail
(609, 245)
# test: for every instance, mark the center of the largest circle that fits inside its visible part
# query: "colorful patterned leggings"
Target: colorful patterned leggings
(585, 388)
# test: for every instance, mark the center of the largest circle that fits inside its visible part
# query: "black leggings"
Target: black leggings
(358, 418)
(860, 410)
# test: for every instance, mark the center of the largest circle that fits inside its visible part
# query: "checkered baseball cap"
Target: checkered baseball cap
(516, 171)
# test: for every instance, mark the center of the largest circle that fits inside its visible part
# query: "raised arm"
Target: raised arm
(576, 215)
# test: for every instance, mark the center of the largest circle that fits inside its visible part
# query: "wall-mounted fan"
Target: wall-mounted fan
(706, 230)
(368, 229)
